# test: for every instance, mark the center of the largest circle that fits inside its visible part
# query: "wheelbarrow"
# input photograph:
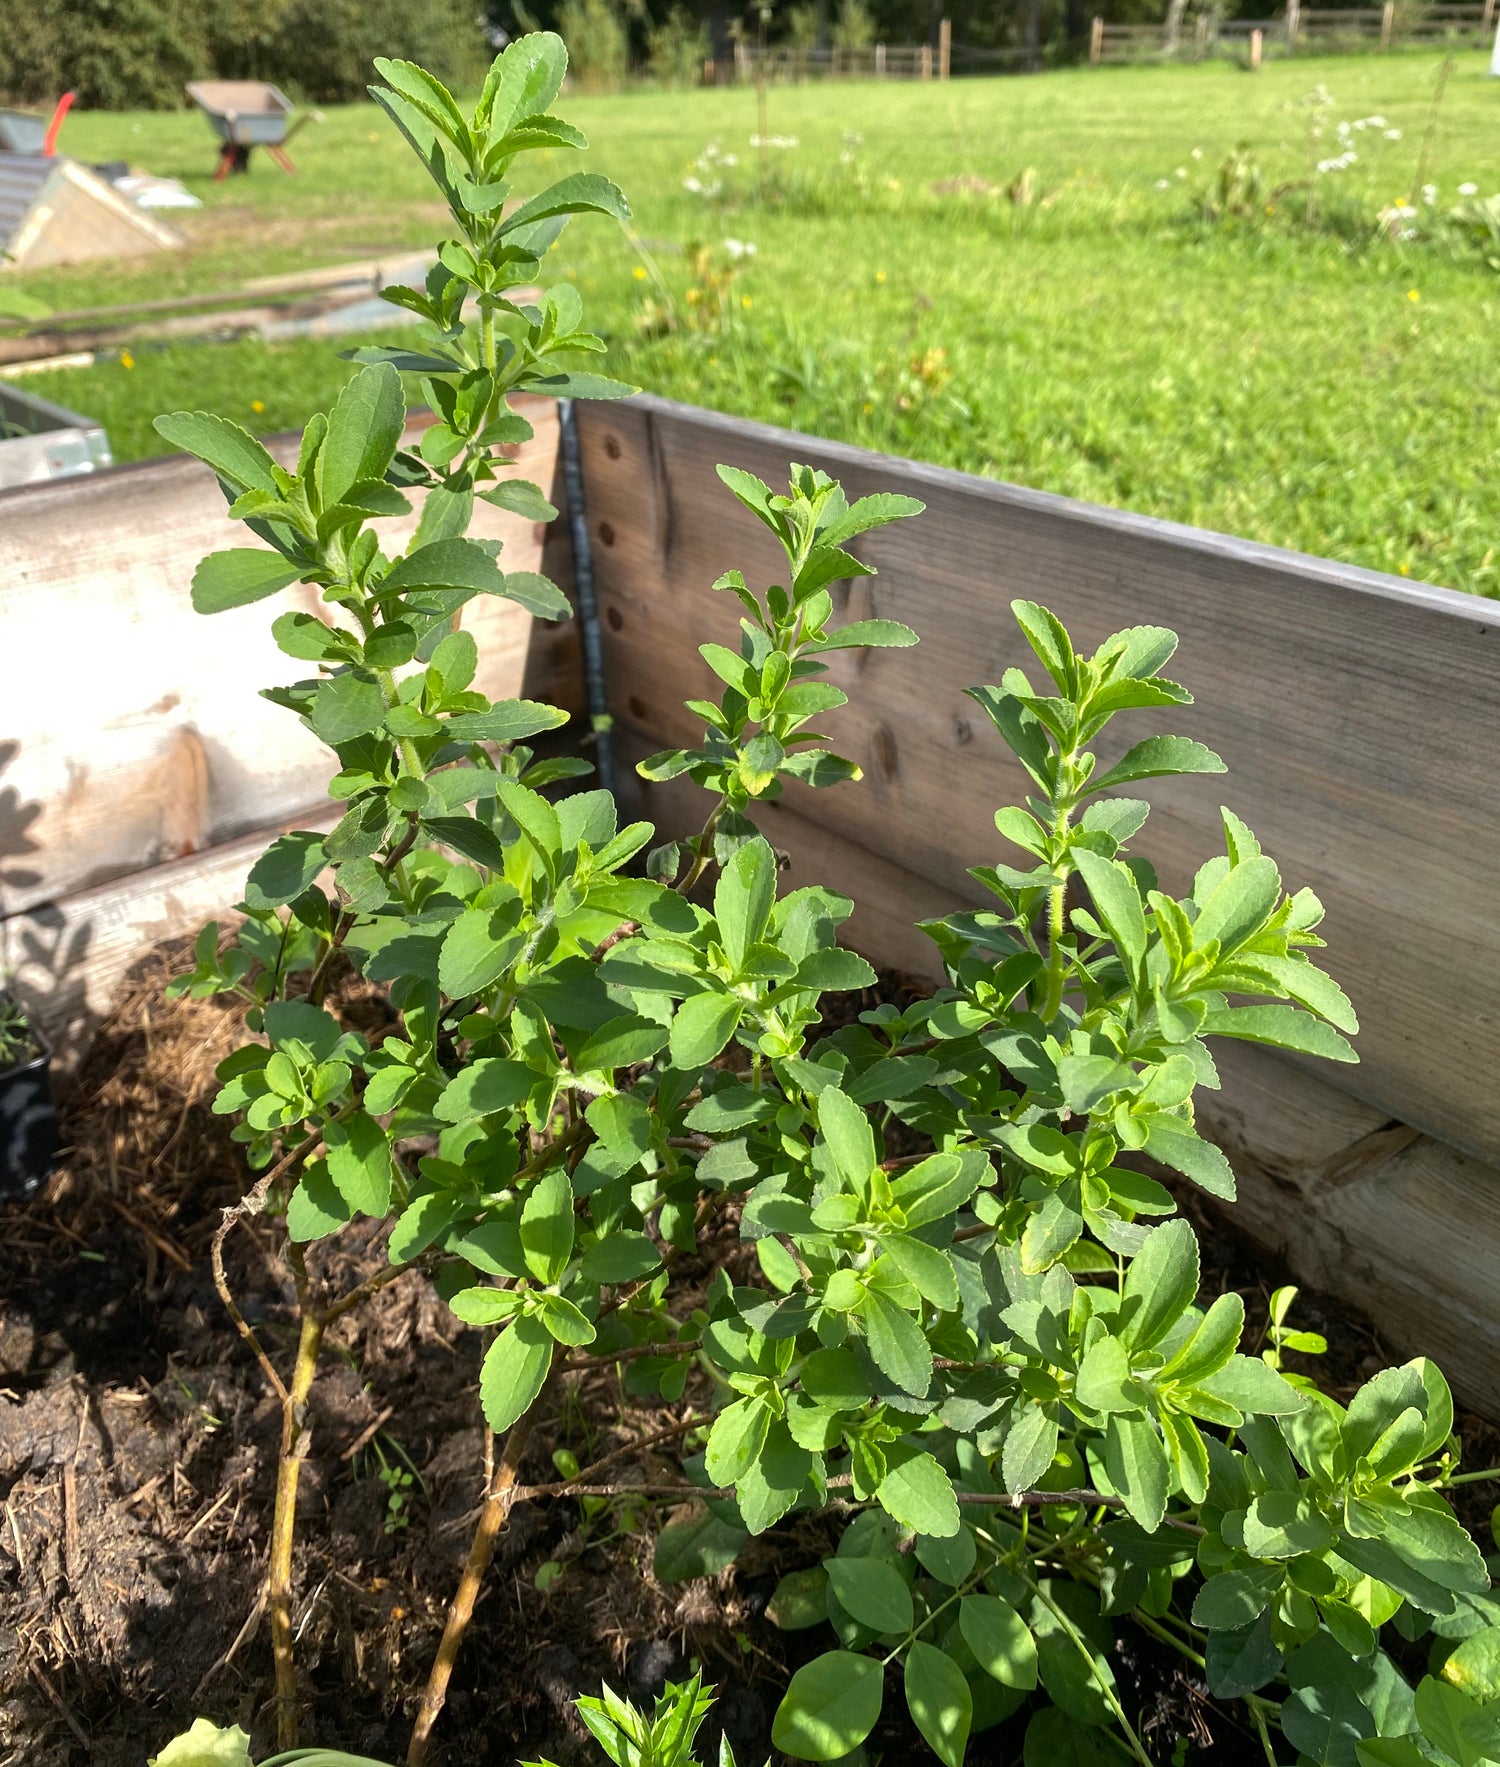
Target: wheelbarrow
(246, 114)
(28, 131)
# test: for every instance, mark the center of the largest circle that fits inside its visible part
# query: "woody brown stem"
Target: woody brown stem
(492, 1518)
(294, 1445)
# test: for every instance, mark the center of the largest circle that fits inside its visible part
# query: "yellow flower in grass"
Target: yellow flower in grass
(1413, 294)
(257, 406)
(126, 359)
(639, 273)
(745, 302)
(880, 275)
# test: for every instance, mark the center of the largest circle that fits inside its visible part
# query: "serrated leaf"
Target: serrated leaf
(238, 577)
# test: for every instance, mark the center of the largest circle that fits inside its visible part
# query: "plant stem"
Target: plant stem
(1111, 1698)
(294, 1445)
(496, 1512)
(702, 849)
(1258, 1719)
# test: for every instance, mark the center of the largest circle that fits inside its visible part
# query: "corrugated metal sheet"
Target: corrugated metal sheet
(23, 177)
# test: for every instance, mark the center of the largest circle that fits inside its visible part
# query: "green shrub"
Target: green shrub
(116, 54)
(598, 44)
(676, 48)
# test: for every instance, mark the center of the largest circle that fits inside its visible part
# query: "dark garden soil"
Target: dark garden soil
(138, 1446)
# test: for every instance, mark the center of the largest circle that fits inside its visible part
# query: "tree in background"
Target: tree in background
(137, 54)
(598, 43)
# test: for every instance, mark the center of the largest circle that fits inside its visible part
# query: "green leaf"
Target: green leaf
(1030, 1448)
(1282, 1524)
(523, 80)
(927, 1269)
(1474, 1668)
(1157, 757)
(1000, 1640)
(899, 1347)
(583, 192)
(622, 1121)
(515, 1368)
(316, 1208)
(477, 949)
(1241, 1662)
(846, 1130)
(939, 1700)
(492, 1084)
(347, 706)
(1234, 1599)
(621, 1043)
(1160, 1284)
(1173, 1141)
(1250, 1386)
(918, 1493)
(236, 578)
(359, 1162)
(1053, 1739)
(1283, 1027)
(286, 868)
(871, 1591)
(700, 1548)
(566, 1322)
(737, 1437)
(799, 1600)
(522, 499)
(547, 1226)
(1117, 901)
(1136, 1460)
(701, 1027)
(511, 720)
(621, 1256)
(832, 1705)
(743, 899)
(536, 819)
(364, 429)
(866, 635)
(232, 452)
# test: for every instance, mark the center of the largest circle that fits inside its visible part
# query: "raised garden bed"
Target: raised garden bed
(877, 1296)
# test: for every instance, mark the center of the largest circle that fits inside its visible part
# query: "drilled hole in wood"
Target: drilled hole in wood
(962, 732)
(637, 706)
(606, 533)
(611, 447)
(615, 617)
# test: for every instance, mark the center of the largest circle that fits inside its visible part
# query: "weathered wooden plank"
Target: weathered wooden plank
(64, 960)
(1399, 1225)
(1358, 713)
(131, 728)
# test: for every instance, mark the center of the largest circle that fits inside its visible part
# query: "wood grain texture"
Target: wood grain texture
(64, 960)
(1359, 715)
(131, 728)
(1405, 1229)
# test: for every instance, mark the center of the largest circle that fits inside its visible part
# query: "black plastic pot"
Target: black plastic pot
(28, 1125)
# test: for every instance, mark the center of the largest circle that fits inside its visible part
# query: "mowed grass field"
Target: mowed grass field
(1315, 387)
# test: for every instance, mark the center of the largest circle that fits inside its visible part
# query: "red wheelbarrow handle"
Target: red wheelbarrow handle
(64, 105)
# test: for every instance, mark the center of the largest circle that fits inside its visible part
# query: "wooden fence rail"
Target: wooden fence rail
(1323, 29)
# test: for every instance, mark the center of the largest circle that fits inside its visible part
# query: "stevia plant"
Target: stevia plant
(976, 1338)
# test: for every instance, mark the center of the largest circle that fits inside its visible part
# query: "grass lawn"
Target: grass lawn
(1315, 388)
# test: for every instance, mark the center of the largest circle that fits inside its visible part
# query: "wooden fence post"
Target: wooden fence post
(1489, 17)
(945, 47)
(880, 61)
(926, 61)
(1293, 22)
(1387, 23)
(1257, 39)
(1096, 42)
(1200, 37)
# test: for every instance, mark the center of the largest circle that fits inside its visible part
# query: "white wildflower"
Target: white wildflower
(1163, 183)
(695, 185)
(1429, 193)
(1197, 153)
(740, 248)
(1468, 190)
(1393, 134)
